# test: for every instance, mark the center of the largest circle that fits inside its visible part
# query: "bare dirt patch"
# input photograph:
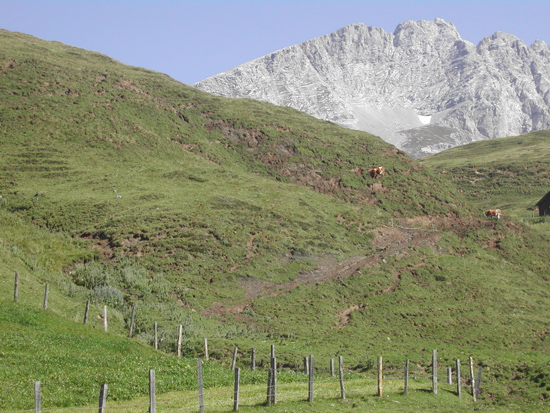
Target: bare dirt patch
(391, 240)
(344, 315)
(395, 239)
(102, 244)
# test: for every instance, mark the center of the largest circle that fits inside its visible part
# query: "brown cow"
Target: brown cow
(493, 213)
(376, 172)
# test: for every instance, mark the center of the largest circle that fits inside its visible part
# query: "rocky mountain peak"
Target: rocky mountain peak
(422, 88)
(412, 33)
(542, 50)
(503, 43)
(540, 46)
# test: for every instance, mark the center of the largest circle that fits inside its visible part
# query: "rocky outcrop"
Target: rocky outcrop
(422, 88)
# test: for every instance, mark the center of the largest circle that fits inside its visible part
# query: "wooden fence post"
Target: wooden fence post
(180, 328)
(253, 359)
(200, 386)
(86, 312)
(105, 317)
(205, 349)
(273, 380)
(152, 392)
(37, 398)
(406, 387)
(46, 292)
(269, 374)
(380, 376)
(434, 371)
(311, 374)
(234, 361)
(341, 371)
(272, 350)
(458, 379)
(332, 367)
(16, 287)
(236, 391)
(449, 375)
(132, 321)
(103, 398)
(156, 337)
(473, 379)
(306, 365)
(478, 382)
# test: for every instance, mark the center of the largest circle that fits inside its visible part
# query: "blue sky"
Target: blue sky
(191, 40)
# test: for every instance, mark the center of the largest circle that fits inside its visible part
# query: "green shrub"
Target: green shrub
(91, 275)
(108, 295)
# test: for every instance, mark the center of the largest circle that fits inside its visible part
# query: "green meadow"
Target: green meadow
(252, 225)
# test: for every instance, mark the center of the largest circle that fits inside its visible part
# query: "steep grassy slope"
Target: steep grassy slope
(512, 174)
(252, 225)
(207, 186)
(72, 361)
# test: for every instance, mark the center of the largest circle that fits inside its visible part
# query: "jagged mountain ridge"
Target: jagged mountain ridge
(422, 88)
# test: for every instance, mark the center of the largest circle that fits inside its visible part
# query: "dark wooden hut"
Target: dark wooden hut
(544, 205)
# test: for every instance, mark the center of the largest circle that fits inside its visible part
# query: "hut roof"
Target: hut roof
(544, 200)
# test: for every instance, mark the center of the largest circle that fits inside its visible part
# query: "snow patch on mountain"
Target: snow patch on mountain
(425, 120)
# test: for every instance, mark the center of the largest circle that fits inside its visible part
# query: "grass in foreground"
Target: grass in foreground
(361, 395)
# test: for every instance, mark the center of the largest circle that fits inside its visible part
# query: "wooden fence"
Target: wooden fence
(330, 386)
(271, 384)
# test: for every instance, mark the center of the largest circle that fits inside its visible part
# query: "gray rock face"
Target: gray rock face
(422, 88)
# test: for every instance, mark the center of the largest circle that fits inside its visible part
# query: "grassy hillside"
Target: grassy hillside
(509, 173)
(211, 189)
(72, 361)
(250, 225)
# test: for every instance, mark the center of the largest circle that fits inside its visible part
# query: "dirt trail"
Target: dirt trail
(388, 241)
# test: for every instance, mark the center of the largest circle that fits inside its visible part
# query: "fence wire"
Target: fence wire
(326, 387)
